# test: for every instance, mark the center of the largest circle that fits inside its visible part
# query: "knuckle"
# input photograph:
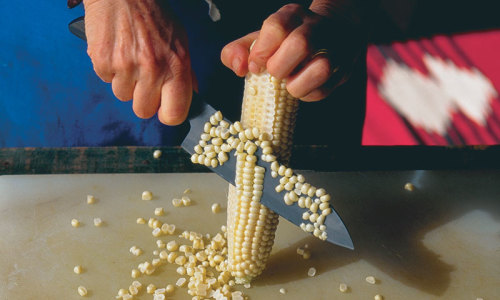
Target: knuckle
(299, 42)
(177, 65)
(292, 8)
(323, 71)
(274, 69)
(122, 62)
(275, 26)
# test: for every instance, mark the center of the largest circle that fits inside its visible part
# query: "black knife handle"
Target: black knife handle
(77, 27)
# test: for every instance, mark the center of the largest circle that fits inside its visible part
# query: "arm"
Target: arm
(289, 39)
(141, 49)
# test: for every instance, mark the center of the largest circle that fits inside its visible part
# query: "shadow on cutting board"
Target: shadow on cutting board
(388, 224)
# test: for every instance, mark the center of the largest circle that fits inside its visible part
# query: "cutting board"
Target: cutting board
(441, 241)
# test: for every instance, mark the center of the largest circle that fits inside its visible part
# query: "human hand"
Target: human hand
(313, 49)
(140, 48)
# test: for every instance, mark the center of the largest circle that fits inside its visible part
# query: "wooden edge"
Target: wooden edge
(174, 159)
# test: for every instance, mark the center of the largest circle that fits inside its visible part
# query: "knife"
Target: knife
(199, 114)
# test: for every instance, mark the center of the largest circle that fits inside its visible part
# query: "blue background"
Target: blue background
(50, 95)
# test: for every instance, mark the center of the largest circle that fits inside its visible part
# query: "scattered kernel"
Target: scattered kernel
(135, 273)
(247, 285)
(147, 195)
(409, 187)
(133, 290)
(371, 280)
(121, 293)
(160, 244)
(172, 246)
(186, 201)
(176, 202)
(169, 288)
(77, 269)
(159, 211)
(216, 208)
(181, 282)
(283, 291)
(97, 222)
(82, 291)
(75, 223)
(343, 288)
(140, 221)
(311, 272)
(90, 199)
(187, 191)
(157, 154)
(378, 297)
(135, 250)
(150, 289)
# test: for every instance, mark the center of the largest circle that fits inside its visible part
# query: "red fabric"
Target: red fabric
(386, 126)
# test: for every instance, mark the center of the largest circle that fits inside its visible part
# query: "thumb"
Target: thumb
(235, 54)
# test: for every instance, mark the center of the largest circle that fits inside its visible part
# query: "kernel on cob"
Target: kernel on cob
(251, 226)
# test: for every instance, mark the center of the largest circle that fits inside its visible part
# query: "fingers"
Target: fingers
(123, 85)
(176, 94)
(293, 51)
(313, 76)
(274, 31)
(146, 95)
(235, 54)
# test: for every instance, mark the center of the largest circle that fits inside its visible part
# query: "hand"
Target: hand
(286, 46)
(139, 47)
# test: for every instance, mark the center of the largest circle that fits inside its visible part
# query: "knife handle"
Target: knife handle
(77, 27)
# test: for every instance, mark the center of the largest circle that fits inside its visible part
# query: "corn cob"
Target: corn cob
(268, 107)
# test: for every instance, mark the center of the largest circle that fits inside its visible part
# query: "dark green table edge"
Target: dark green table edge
(127, 159)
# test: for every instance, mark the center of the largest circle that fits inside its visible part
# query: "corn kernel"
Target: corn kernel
(82, 291)
(150, 289)
(75, 223)
(97, 222)
(157, 154)
(181, 282)
(409, 187)
(77, 269)
(215, 208)
(135, 273)
(147, 195)
(159, 211)
(186, 201)
(371, 280)
(176, 202)
(169, 288)
(172, 246)
(90, 199)
(343, 288)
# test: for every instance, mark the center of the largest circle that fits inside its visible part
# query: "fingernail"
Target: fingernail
(236, 64)
(252, 67)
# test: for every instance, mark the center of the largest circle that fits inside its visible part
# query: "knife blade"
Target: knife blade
(199, 114)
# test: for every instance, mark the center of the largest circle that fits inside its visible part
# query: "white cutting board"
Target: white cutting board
(448, 254)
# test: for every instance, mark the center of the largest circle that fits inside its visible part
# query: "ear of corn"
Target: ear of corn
(251, 226)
